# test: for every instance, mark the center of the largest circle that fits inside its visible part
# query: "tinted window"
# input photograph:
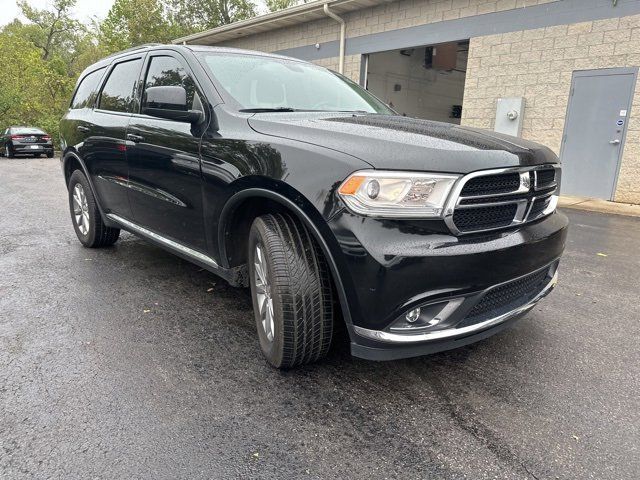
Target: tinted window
(119, 93)
(167, 72)
(86, 90)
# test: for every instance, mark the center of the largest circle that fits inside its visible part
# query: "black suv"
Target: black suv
(283, 176)
(25, 141)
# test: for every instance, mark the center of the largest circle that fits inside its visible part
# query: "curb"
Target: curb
(601, 206)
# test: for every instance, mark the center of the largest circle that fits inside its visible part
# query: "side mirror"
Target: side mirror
(169, 103)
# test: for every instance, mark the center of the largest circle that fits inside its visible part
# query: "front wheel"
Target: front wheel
(8, 151)
(291, 291)
(85, 215)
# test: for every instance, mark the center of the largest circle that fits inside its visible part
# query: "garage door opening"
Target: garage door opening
(422, 82)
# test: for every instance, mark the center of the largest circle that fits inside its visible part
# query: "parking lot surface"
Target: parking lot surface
(129, 362)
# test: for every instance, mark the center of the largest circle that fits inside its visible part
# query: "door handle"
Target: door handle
(134, 138)
(82, 129)
(615, 142)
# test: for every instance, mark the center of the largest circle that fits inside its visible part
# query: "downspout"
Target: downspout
(343, 35)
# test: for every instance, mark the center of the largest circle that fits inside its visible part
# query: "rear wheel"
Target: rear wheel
(85, 215)
(50, 155)
(291, 291)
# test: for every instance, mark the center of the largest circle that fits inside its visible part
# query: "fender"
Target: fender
(65, 159)
(229, 208)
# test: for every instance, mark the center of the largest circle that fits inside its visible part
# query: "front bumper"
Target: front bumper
(391, 268)
(447, 338)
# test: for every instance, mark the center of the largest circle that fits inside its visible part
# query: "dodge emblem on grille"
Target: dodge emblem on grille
(525, 181)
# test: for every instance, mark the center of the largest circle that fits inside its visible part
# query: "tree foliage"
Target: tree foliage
(43, 56)
(275, 5)
(191, 16)
(135, 22)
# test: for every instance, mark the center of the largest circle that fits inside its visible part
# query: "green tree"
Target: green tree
(135, 22)
(52, 31)
(189, 16)
(275, 5)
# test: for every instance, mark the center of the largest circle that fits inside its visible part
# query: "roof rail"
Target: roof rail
(133, 49)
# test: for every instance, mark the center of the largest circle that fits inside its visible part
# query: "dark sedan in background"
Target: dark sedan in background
(25, 141)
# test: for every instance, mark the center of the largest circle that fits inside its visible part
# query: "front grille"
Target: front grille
(484, 218)
(507, 297)
(501, 199)
(491, 185)
(538, 207)
(546, 177)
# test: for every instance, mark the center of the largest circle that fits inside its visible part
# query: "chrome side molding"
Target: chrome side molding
(170, 244)
(382, 336)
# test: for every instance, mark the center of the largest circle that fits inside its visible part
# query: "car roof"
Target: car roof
(194, 48)
(255, 53)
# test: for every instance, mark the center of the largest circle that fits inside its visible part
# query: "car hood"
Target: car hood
(402, 143)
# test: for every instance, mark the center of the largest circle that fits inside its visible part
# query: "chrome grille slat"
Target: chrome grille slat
(532, 199)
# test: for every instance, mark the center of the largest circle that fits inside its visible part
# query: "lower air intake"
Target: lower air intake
(507, 297)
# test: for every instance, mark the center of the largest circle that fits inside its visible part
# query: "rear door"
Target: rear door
(164, 159)
(77, 123)
(104, 149)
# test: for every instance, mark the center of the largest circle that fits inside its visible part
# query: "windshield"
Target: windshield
(266, 83)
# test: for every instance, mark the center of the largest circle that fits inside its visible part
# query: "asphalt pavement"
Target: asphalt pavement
(129, 362)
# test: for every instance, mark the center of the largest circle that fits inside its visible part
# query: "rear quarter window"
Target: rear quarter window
(86, 91)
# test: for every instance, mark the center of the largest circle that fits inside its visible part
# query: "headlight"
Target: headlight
(397, 194)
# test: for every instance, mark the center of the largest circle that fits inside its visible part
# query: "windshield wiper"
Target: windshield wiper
(273, 109)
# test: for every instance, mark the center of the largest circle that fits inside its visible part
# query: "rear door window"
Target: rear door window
(85, 94)
(119, 93)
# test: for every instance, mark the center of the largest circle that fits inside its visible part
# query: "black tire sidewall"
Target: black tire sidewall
(273, 350)
(89, 239)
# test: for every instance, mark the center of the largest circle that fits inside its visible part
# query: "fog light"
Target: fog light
(413, 315)
(425, 317)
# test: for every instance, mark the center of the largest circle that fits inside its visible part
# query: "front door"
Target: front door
(597, 118)
(164, 161)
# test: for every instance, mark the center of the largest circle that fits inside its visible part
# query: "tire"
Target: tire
(8, 151)
(50, 155)
(88, 224)
(298, 291)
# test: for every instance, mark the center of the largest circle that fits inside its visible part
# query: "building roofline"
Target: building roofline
(274, 20)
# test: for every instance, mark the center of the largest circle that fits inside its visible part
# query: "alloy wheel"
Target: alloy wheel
(263, 293)
(81, 209)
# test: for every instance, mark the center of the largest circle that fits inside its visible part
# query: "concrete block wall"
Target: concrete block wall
(351, 65)
(538, 65)
(381, 18)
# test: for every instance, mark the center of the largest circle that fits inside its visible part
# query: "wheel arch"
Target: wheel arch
(257, 201)
(72, 161)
